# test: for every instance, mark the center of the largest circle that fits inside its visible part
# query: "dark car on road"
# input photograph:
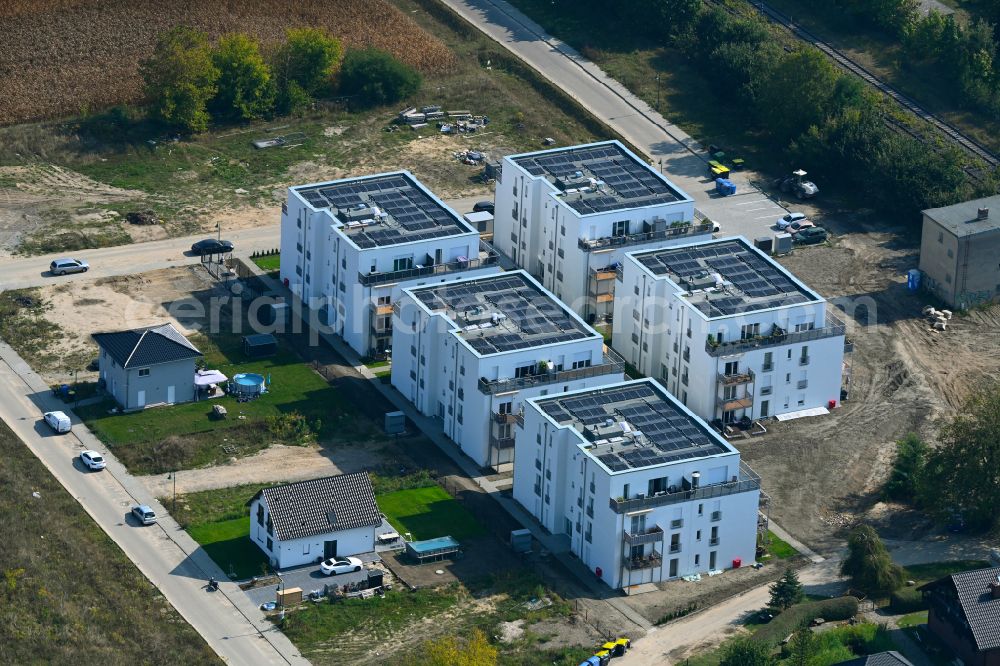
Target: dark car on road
(483, 207)
(811, 236)
(212, 246)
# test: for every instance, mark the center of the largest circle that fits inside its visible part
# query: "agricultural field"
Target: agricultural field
(65, 57)
(54, 615)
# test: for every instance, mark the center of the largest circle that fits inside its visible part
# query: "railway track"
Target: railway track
(953, 135)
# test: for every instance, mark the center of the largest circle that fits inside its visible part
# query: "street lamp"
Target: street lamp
(173, 510)
(657, 92)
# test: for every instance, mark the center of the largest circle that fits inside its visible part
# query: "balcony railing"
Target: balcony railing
(501, 443)
(677, 524)
(609, 365)
(747, 481)
(730, 404)
(713, 542)
(834, 327)
(737, 378)
(382, 308)
(654, 559)
(607, 273)
(491, 259)
(675, 548)
(716, 516)
(504, 418)
(803, 383)
(651, 535)
(646, 237)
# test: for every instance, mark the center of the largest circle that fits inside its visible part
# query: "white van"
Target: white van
(58, 421)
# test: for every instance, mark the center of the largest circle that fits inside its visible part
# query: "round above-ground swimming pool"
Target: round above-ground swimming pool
(247, 383)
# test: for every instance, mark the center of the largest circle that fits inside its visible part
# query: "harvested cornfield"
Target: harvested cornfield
(60, 57)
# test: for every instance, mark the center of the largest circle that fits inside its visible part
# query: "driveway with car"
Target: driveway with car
(309, 578)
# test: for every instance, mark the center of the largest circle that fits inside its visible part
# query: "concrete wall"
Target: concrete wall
(961, 271)
(133, 391)
(307, 550)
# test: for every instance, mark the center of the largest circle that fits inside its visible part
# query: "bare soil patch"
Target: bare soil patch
(825, 473)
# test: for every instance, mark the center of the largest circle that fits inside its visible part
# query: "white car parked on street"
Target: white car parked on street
(333, 567)
(92, 460)
(58, 421)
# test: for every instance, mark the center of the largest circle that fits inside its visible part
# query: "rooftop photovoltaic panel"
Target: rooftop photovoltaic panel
(383, 210)
(749, 281)
(504, 312)
(616, 179)
(634, 425)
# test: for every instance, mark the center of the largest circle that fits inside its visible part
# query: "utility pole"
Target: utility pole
(173, 510)
(657, 92)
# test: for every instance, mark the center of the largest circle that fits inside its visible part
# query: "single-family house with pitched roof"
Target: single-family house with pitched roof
(309, 521)
(890, 658)
(147, 366)
(964, 612)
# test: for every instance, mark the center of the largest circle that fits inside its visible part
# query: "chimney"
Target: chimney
(983, 213)
(995, 588)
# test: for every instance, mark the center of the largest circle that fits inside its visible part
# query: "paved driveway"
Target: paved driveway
(309, 578)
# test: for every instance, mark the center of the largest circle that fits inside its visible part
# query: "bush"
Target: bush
(841, 608)
(375, 78)
(907, 600)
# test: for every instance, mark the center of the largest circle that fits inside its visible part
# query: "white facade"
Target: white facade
(353, 284)
(636, 524)
(306, 550)
(768, 358)
(476, 391)
(540, 224)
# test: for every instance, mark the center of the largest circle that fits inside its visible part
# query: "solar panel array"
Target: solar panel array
(627, 182)
(668, 434)
(413, 215)
(761, 285)
(532, 317)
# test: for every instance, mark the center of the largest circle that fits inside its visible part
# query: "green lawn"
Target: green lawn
(228, 544)
(779, 549)
(912, 619)
(925, 573)
(269, 263)
(184, 436)
(427, 513)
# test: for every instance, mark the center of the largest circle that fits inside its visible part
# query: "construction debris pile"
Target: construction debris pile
(938, 318)
(447, 122)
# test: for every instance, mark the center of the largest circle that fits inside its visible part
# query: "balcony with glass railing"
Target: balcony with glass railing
(654, 559)
(678, 231)
(652, 535)
(610, 364)
(746, 481)
(736, 378)
(834, 327)
(487, 257)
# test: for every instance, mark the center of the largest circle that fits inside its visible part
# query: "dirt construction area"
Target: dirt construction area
(825, 473)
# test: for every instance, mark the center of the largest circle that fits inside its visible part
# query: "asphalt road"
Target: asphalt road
(164, 553)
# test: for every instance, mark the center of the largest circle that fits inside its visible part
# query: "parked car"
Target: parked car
(64, 266)
(144, 514)
(811, 236)
(790, 219)
(92, 460)
(58, 421)
(212, 246)
(796, 227)
(332, 567)
(716, 227)
(483, 206)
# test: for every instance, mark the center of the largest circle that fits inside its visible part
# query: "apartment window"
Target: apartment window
(298, 246)
(342, 287)
(697, 535)
(806, 326)
(515, 187)
(766, 390)
(308, 255)
(559, 275)
(413, 351)
(383, 300)
(684, 378)
(590, 507)
(524, 371)
(402, 263)
(581, 364)
(684, 397)
(619, 228)
(802, 399)
(305, 548)
(504, 407)
(697, 560)
(635, 338)
(748, 331)
(587, 534)
(560, 253)
(732, 367)
(804, 357)
(270, 527)
(260, 515)
(514, 210)
(421, 382)
(298, 223)
(701, 511)
(765, 408)
(562, 230)
(461, 370)
(458, 416)
(673, 568)
(538, 485)
(298, 270)
(788, 378)
(343, 263)
(729, 393)
(461, 393)
(144, 372)
(413, 375)
(635, 315)
(940, 237)
(423, 360)
(270, 544)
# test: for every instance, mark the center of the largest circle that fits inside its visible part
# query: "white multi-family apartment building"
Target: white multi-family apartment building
(568, 215)
(471, 351)
(642, 489)
(728, 331)
(349, 246)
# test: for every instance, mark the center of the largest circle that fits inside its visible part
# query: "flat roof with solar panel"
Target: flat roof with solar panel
(600, 177)
(504, 312)
(385, 209)
(634, 425)
(726, 277)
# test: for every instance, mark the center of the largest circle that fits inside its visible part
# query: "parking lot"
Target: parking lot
(309, 578)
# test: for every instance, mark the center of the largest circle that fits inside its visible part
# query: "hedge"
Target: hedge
(840, 608)
(907, 600)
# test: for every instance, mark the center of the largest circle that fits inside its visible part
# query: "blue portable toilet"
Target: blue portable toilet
(913, 279)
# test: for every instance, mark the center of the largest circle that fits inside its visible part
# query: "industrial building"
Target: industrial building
(568, 215)
(728, 331)
(349, 246)
(641, 488)
(960, 252)
(471, 351)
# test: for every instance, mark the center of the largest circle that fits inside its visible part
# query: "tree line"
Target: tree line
(191, 82)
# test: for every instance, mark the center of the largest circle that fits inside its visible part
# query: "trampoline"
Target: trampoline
(432, 549)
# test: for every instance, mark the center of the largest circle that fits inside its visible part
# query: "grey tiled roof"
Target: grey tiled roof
(320, 506)
(981, 610)
(146, 346)
(892, 658)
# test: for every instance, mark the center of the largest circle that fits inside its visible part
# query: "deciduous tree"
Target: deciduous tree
(374, 77)
(245, 87)
(309, 58)
(746, 652)
(180, 78)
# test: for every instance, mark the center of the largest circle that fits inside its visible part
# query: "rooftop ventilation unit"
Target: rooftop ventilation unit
(573, 181)
(982, 213)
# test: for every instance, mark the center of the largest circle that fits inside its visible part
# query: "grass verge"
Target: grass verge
(269, 263)
(53, 614)
(778, 548)
(228, 544)
(427, 513)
